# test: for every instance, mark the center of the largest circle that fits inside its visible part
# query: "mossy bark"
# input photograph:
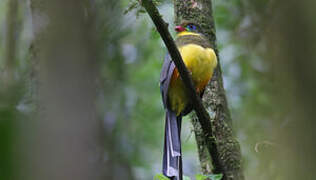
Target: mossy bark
(214, 99)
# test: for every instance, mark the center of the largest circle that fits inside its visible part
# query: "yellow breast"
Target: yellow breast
(201, 63)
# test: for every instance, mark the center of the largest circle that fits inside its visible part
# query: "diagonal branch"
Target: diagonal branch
(201, 113)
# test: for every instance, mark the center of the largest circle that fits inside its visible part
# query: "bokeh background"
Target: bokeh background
(267, 52)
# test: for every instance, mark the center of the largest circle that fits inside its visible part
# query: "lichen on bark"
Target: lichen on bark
(214, 99)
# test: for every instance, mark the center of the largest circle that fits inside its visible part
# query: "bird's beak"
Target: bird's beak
(179, 28)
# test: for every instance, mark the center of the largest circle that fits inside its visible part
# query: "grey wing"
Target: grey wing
(165, 77)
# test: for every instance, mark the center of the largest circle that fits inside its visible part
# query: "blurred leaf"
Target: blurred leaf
(154, 33)
(131, 6)
(212, 177)
(186, 178)
(200, 177)
(135, 4)
(160, 177)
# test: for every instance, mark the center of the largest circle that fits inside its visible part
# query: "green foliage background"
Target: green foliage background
(129, 100)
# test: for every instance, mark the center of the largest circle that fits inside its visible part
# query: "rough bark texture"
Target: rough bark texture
(214, 99)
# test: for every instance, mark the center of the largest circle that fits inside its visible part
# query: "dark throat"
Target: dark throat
(193, 39)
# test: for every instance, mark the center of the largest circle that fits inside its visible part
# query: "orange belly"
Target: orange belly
(201, 63)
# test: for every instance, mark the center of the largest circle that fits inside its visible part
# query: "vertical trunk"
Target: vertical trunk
(9, 94)
(291, 53)
(64, 140)
(71, 141)
(200, 12)
(11, 37)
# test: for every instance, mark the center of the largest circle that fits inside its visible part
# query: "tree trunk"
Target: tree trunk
(11, 38)
(214, 99)
(64, 139)
(72, 141)
(291, 52)
(10, 94)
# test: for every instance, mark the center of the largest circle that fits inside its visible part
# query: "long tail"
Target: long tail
(172, 160)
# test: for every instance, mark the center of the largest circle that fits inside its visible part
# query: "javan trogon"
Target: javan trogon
(200, 60)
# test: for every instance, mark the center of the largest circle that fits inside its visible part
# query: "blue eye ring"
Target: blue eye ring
(191, 27)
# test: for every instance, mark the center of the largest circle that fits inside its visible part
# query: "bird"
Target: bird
(201, 61)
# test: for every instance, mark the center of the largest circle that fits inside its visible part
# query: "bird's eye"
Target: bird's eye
(191, 27)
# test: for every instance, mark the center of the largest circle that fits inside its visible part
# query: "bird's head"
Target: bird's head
(190, 33)
(187, 27)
